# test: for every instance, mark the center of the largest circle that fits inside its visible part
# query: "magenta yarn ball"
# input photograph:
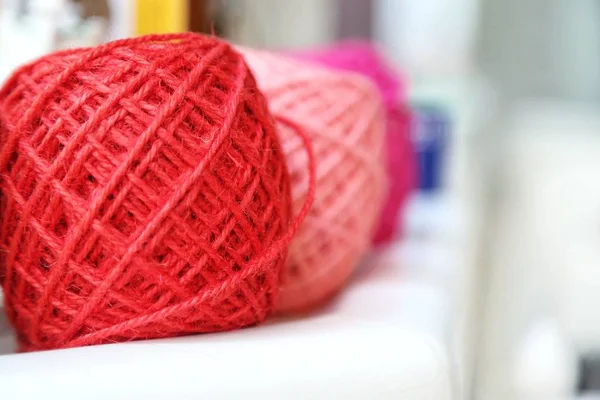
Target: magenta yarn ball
(365, 58)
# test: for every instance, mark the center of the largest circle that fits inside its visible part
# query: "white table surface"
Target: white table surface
(383, 338)
(403, 329)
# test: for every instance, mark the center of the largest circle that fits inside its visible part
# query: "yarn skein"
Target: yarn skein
(365, 58)
(343, 116)
(144, 194)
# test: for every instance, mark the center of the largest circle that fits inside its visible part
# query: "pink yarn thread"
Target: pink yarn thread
(364, 58)
(342, 114)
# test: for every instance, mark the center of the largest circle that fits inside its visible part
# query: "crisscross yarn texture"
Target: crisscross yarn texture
(144, 194)
(365, 58)
(342, 113)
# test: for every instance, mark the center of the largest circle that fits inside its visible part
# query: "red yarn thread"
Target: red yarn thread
(342, 114)
(144, 194)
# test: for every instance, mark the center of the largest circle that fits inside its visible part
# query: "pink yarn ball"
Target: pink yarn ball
(342, 113)
(364, 58)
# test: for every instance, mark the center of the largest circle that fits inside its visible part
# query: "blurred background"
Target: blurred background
(508, 201)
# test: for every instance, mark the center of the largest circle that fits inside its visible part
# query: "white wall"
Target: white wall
(282, 23)
(542, 47)
(543, 259)
(428, 37)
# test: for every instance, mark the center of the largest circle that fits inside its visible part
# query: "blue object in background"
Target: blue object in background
(431, 131)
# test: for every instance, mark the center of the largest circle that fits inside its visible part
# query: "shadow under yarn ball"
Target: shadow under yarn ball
(144, 194)
(343, 116)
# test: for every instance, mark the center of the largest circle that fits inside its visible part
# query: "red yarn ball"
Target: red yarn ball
(144, 194)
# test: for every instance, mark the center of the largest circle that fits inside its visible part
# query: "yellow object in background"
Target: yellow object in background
(161, 16)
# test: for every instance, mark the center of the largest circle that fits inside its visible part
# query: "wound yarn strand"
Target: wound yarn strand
(342, 114)
(144, 194)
